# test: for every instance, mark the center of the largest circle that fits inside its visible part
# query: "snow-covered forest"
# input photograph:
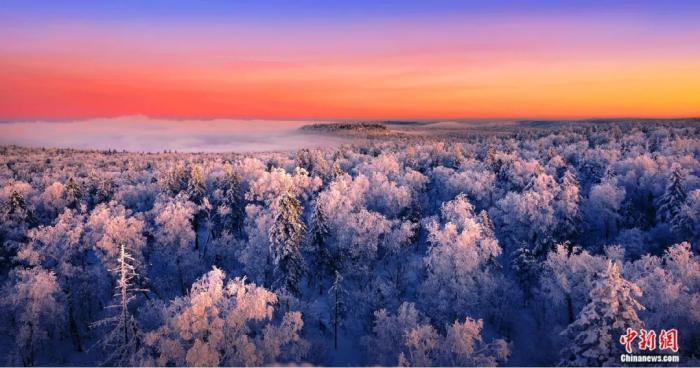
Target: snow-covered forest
(532, 246)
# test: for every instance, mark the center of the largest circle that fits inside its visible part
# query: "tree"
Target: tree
(485, 221)
(177, 179)
(568, 276)
(408, 339)
(196, 191)
(464, 346)
(324, 263)
(529, 215)
(285, 236)
(15, 219)
(17, 207)
(225, 323)
(338, 294)
(592, 340)
(175, 238)
(526, 268)
(671, 286)
(567, 205)
(602, 209)
(230, 212)
(111, 227)
(100, 189)
(35, 307)
(460, 277)
(74, 193)
(123, 340)
(670, 204)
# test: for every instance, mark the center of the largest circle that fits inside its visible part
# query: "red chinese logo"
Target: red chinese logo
(668, 340)
(627, 339)
(647, 339)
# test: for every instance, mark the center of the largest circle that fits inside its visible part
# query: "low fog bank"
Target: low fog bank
(140, 133)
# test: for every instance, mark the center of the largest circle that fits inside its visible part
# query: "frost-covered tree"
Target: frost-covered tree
(602, 210)
(110, 227)
(529, 216)
(464, 346)
(567, 205)
(176, 179)
(460, 277)
(338, 295)
(593, 339)
(74, 193)
(69, 249)
(123, 337)
(230, 208)
(100, 189)
(312, 161)
(17, 209)
(408, 339)
(323, 261)
(485, 221)
(196, 188)
(568, 276)
(285, 236)
(526, 268)
(671, 292)
(670, 204)
(174, 240)
(196, 191)
(225, 323)
(15, 220)
(33, 304)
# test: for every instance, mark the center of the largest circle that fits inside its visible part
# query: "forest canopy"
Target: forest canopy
(473, 247)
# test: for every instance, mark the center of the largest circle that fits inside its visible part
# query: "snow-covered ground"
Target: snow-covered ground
(524, 245)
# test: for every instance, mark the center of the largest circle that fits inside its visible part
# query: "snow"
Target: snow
(529, 246)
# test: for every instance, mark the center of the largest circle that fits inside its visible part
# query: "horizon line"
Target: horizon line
(349, 119)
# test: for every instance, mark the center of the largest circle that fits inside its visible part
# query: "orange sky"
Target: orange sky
(451, 67)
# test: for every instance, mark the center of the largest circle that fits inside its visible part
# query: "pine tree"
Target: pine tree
(457, 157)
(593, 339)
(233, 201)
(323, 262)
(488, 228)
(123, 341)
(196, 191)
(74, 193)
(285, 236)
(303, 160)
(105, 191)
(526, 268)
(568, 202)
(673, 197)
(339, 295)
(100, 190)
(672, 201)
(336, 169)
(177, 179)
(16, 203)
(490, 159)
(17, 208)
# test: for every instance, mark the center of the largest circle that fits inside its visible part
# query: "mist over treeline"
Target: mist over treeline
(531, 245)
(149, 134)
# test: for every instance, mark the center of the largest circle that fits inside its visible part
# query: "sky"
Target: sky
(366, 59)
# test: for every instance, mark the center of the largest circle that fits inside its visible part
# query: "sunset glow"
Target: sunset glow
(409, 61)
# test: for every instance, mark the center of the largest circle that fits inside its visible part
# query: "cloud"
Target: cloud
(140, 133)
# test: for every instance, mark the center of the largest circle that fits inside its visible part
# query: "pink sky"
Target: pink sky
(451, 66)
